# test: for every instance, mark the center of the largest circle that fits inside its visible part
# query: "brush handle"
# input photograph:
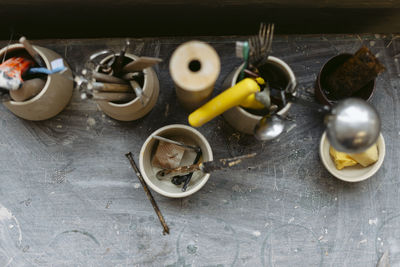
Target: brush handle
(112, 87)
(105, 78)
(35, 55)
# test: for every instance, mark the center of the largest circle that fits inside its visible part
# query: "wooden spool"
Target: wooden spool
(194, 67)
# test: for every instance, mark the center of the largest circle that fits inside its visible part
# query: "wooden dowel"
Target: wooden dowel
(101, 77)
(112, 87)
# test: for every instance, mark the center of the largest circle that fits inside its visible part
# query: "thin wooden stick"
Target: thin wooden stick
(148, 193)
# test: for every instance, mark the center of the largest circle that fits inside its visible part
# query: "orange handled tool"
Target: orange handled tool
(11, 72)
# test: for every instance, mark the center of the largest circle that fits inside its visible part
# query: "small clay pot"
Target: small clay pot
(244, 121)
(134, 109)
(184, 134)
(329, 67)
(54, 96)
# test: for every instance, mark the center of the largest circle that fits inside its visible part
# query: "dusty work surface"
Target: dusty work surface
(68, 196)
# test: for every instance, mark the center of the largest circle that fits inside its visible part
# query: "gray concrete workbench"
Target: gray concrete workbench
(68, 196)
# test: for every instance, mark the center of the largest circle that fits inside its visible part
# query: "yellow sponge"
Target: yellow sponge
(341, 159)
(367, 157)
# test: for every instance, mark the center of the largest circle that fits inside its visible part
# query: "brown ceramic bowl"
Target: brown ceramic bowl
(365, 92)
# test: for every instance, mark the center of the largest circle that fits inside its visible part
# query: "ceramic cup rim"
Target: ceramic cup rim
(318, 87)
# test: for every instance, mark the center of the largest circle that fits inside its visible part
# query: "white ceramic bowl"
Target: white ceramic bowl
(355, 173)
(187, 135)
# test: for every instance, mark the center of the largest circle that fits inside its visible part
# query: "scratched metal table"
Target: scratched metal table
(68, 196)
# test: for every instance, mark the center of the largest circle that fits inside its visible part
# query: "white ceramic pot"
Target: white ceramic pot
(239, 118)
(187, 135)
(54, 96)
(134, 109)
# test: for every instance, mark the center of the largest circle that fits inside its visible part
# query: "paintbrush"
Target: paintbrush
(29, 48)
(206, 167)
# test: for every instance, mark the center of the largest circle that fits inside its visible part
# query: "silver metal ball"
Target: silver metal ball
(353, 125)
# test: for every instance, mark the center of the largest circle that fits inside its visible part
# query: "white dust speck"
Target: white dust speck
(335, 198)
(291, 220)
(136, 185)
(379, 239)
(59, 126)
(91, 122)
(266, 225)
(52, 193)
(224, 201)
(361, 233)
(296, 207)
(381, 244)
(256, 233)
(373, 221)
(363, 241)
(11, 226)
(321, 237)
(117, 232)
(326, 231)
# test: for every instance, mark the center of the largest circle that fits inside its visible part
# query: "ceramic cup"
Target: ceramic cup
(184, 134)
(329, 67)
(54, 96)
(244, 121)
(134, 109)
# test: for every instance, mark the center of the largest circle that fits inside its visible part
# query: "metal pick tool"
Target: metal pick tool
(206, 167)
